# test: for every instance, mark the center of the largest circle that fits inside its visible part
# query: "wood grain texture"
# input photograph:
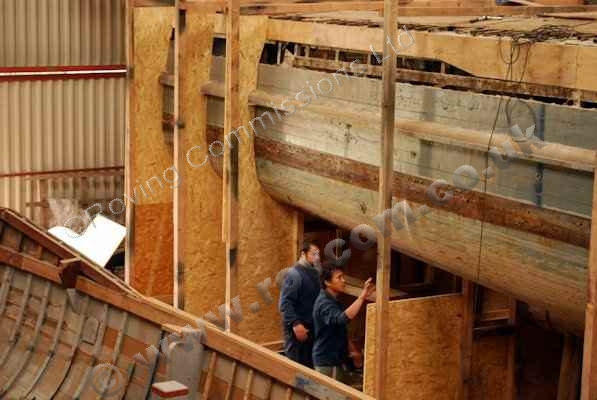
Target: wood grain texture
(200, 221)
(476, 55)
(423, 348)
(531, 268)
(151, 271)
(266, 241)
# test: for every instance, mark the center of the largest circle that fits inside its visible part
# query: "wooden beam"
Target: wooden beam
(384, 242)
(466, 339)
(281, 8)
(30, 264)
(589, 371)
(129, 148)
(232, 120)
(570, 368)
(238, 348)
(500, 211)
(152, 3)
(178, 200)
(446, 46)
(448, 80)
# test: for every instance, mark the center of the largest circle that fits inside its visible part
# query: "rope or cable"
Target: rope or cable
(514, 48)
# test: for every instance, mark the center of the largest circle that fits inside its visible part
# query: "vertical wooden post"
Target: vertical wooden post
(178, 200)
(384, 245)
(570, 368)
(128, 143)
(511, 383)
(589, 375)
(232, 120)
(466, 338)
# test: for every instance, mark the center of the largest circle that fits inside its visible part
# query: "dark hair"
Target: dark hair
(327, 272)
(307, 246)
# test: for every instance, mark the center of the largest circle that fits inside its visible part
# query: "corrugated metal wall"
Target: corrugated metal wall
(61, 32)
(58, 125)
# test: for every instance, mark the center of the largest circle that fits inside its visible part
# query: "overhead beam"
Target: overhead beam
(384, 242)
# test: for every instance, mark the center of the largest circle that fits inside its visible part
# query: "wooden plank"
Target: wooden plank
(499, 210)
(236, 347)
(280, 8)
(449, 80)
(130, 102)
(232, 120)
(569, 71)
(386, 170)
(178, 205)
(423, 348)
(589, 373)
(559, 156)
(200, 250)
(558, 278)
(570, 368)
(266, 240)
(151, 156)
(466, 339)
(27, 263)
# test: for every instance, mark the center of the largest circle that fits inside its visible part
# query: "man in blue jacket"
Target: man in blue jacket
(330, 319)
(298, 293)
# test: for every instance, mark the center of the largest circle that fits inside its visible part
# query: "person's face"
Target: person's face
(337, 283)
(312, 255)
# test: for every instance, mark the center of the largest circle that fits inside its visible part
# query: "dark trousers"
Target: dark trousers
(300, 352)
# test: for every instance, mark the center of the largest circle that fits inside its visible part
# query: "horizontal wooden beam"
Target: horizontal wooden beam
(30, 264)
(477, 84)
(558, 156)
(277, 7)
(240, 349)
(493, 209)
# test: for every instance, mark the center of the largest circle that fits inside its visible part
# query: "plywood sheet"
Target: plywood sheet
(200, 197)
(490, 368)
(267, 228)
(423, 348)
(151, 271)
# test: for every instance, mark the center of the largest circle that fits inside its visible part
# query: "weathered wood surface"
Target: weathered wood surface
(64, 337)
(532, 268)
(323, 159)
(549, 63)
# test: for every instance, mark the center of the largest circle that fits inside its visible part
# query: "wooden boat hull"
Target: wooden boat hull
(324, 159)
(70, 330)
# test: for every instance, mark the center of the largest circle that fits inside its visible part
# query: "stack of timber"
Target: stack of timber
(63, 320)
(524, 232)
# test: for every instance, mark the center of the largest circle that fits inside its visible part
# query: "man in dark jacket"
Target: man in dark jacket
(298, 293)
(330, 319)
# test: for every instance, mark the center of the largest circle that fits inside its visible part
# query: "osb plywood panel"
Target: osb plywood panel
(200, 197)
(423, 348)
(151, 271)
(490, 368)
(267, 228)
